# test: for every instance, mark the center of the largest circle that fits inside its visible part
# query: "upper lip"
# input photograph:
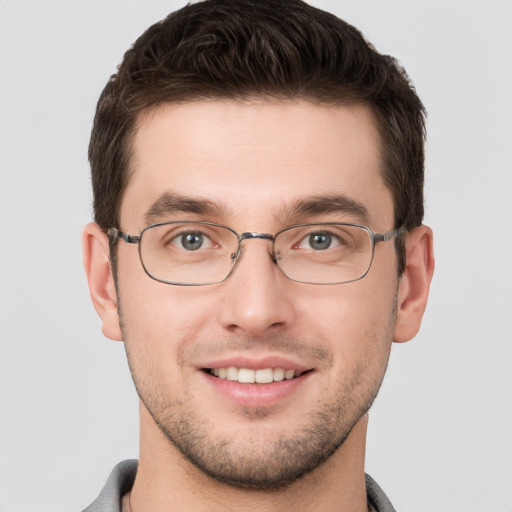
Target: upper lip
(256, 363)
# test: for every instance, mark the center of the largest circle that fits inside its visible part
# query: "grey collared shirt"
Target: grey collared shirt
(122, 477)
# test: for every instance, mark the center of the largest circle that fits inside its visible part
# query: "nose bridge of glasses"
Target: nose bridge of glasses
(254, 234)
(257, 236)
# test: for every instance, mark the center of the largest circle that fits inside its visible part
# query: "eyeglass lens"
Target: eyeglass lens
(201, 253)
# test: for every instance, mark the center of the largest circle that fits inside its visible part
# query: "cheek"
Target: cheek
(356, 320)
(157, 325)
(357, 308)
(158, 318)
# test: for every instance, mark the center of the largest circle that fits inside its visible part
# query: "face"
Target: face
(251, 167)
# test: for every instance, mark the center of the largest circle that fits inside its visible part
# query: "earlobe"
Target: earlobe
(95, 250)
(414, 283)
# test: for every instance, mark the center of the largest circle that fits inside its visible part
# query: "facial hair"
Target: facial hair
(252, 458)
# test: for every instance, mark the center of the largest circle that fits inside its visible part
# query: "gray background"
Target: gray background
(441, 430)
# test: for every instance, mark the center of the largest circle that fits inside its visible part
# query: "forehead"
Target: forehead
(255, 159)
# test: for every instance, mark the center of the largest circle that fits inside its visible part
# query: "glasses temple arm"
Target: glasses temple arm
(115, 233)
(388, 235)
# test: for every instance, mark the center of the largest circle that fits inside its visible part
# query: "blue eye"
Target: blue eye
(320, 241)
(192, 241)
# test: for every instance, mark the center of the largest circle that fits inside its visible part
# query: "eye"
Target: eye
(319, 241)
(192, 241)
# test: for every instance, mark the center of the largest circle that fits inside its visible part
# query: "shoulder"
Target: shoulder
(376, 496)
(118, 484)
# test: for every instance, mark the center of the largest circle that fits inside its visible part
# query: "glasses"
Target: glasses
(192, 253)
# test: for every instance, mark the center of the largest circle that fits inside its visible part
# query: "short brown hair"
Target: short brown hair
(240, 49)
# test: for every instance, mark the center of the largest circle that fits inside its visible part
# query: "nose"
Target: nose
(258, 297)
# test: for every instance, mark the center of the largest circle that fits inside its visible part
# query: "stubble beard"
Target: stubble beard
(257, 462)
(256, 465)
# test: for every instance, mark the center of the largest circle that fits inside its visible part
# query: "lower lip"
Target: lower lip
(256, 395)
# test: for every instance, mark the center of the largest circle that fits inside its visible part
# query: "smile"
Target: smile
(250, 376)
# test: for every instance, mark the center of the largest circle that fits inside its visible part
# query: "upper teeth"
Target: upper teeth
(246, 375)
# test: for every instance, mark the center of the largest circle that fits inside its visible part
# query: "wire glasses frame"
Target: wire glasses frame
(190, 253)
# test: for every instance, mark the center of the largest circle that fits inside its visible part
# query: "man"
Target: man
(257, 172)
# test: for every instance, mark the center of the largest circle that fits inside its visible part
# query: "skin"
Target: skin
(200, 448)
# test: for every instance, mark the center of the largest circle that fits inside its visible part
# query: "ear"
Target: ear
(414, 283)
(95, 250)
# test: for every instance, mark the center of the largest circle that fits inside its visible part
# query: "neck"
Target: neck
(167, 482)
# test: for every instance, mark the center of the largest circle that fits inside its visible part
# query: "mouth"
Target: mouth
(251, 376)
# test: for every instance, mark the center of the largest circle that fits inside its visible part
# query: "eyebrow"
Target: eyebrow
(169, 203)
(326, 204)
